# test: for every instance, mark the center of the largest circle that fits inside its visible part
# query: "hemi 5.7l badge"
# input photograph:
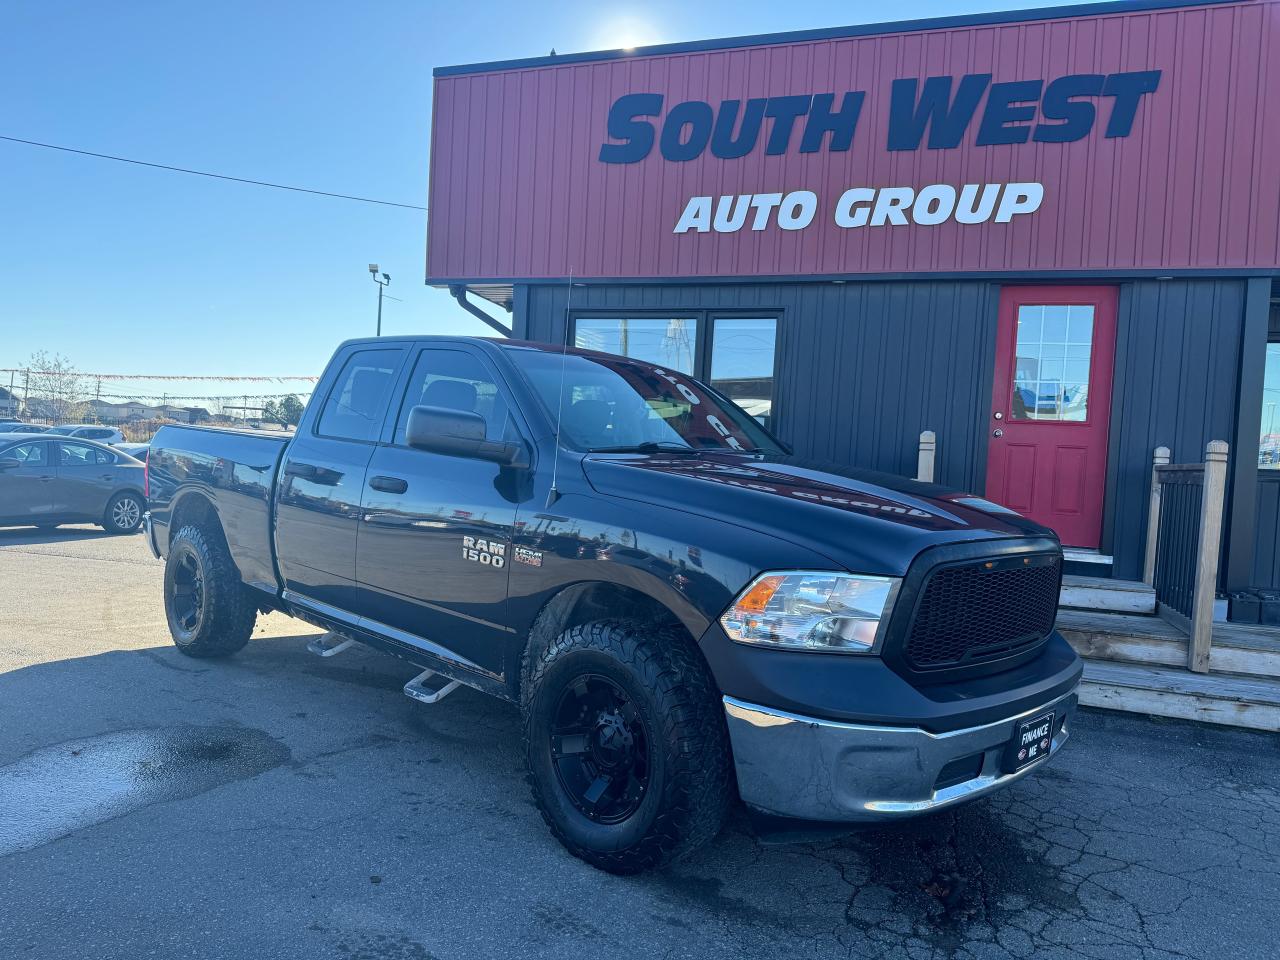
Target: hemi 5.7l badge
(526, 555)
(492, 553)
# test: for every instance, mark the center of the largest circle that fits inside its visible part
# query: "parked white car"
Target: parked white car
(89, 431)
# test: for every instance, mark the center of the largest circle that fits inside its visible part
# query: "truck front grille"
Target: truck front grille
(984, 610)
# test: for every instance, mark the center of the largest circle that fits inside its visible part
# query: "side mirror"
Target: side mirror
(10, 463)
(459, 433)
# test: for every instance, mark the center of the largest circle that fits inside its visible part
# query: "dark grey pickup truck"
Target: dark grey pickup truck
(684, 612)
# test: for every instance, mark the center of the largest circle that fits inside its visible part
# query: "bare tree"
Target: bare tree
(56, 390)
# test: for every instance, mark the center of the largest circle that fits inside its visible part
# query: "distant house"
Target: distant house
(123, 411)
(9, 404)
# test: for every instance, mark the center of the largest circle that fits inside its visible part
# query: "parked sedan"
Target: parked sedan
(23, 428)
(88, 431)
(47, 480)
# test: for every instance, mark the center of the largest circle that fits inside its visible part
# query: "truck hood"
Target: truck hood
(866, 521)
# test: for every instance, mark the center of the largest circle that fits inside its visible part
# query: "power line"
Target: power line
(205, 173)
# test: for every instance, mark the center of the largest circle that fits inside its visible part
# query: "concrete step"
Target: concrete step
(1243, 649)
(1172, 692)
(1103, 593)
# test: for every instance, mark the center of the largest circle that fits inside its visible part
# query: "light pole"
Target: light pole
(382, 286)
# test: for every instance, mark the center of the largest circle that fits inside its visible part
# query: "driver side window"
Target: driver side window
(456, 380)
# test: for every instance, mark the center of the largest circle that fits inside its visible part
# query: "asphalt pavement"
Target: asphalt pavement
(277, 805)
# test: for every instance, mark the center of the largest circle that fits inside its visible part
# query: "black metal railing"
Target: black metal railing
(1181, 504)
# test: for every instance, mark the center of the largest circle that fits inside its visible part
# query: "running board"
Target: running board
(330, 644)
(417, 688)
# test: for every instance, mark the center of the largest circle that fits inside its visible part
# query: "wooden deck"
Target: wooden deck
(1139, 664)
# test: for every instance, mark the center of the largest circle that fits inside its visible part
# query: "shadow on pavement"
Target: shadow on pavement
(26, 536)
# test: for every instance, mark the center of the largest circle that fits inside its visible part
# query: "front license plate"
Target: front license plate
(1030, 742)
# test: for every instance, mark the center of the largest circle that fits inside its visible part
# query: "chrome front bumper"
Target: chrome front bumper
(795, 766)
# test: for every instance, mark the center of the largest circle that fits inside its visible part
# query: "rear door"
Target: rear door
(435, 537)
(86, 477)
(322, 476)
(26, 492)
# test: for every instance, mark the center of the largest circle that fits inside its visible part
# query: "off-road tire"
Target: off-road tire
(672, 690)
(110, 517)
(227, 612)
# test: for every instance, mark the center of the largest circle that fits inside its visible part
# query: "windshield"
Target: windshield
(65, 431)
(615, 404)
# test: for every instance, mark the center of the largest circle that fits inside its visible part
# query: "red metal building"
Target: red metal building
(1050, 236)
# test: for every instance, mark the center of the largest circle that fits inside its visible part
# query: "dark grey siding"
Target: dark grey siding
(1266, 557)
(1177, 358)
(865, 367)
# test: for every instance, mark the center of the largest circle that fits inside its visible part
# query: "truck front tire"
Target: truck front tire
(210, 612)
(627, 749)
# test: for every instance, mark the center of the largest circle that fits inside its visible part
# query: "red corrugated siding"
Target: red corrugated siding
(517, 190)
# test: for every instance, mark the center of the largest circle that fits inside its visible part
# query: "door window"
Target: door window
(77, 455)
(1051, 366)
(456, 380)
(354, 408)
(29, 454)
(1269, 441)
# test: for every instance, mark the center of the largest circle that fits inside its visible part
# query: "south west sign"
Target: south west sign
(936, 113)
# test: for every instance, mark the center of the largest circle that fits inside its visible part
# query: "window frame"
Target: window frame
(391, 426)
(397, 374)
(24, 443)
(704, 338)
(1267, 471)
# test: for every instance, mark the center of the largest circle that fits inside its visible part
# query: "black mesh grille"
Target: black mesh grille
(974, 612)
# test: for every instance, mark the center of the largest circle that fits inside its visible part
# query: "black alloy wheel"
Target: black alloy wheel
(600, 749)
(186, 592)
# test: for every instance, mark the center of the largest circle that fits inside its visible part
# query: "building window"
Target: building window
(1269, 441)
(742, 362)
(735, 354)
(668, 342)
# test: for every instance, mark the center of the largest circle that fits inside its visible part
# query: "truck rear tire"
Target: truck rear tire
(625, 738)
(210, 612)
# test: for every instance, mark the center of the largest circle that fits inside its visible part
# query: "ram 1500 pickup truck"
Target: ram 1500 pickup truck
(684, 611)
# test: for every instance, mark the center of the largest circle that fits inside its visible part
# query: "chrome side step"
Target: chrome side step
(330, 644)
(417, 688)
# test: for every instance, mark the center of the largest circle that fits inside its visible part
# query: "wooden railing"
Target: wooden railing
(1184, 540)
(927, 456)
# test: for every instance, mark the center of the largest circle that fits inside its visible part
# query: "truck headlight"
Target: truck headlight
(821, 611)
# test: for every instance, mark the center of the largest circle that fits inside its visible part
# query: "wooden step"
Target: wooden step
(1173, 692)
(1244, 649)
(1103, 593)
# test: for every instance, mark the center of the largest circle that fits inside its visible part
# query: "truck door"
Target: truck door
(318, 492)
(435, 536)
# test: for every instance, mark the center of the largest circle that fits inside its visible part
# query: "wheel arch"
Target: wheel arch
(193, 507)
(587, 600)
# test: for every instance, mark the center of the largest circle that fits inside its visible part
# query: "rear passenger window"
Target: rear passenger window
(456, 380)
(354, 408)
(76, 455)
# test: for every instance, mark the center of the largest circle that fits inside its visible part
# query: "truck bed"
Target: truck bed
(232, 470)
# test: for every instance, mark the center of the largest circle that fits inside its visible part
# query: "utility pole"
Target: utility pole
(382, 286)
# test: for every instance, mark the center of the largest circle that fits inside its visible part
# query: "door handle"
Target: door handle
(306, 471)
(309, 471)
(389, 484)
(997, 433)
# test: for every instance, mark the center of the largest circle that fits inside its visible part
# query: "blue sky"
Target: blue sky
(125, 269)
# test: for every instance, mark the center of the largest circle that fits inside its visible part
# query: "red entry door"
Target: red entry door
(1047, 447)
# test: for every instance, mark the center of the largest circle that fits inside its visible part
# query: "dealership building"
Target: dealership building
(1051, 237)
